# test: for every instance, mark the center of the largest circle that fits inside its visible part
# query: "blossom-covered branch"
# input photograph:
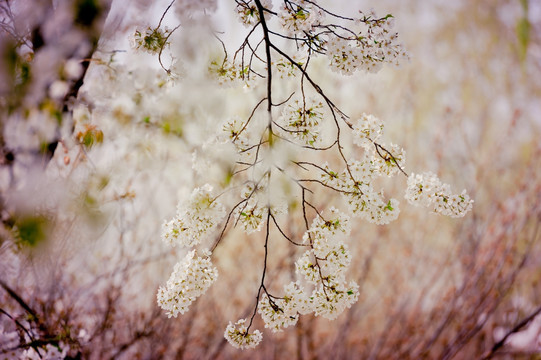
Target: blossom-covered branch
(287, 147)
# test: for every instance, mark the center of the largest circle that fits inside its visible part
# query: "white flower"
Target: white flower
(336, 262)
(249, 14)
(371, 206)
(307, 267)
(285, 68)
(388, 164)
(428, 191)
(326, 234)
(235, 131)
(252, 215)
(300, 300)
(229, 74)
(191, 278)
(237, 335)
(277, 313)
(333, 178)
(300, 17)
(422, 188)
(368, 50)
(150, 40)
(336, 223)
(344, 55)
(367, 130)
(362, 171)
(300, 120)
(280, 313)
(331, 301)
(194, 221)
(360, 196)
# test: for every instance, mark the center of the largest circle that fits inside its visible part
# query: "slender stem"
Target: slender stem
(164, 13)
(262, 284)
(268, 45)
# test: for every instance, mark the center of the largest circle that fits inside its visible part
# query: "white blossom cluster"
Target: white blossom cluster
(367, 130)
(356, 186)
(252, 214)
(278, 313)
(28, 132)
(389, 160)
(362, 199)
(248, 13)
(195, 220)
(230, 73)
(428, 191)
(371, 206)
(237, 335)
(285, 68)
(150, 40)
(300, 17)
(235, 132)
(324, 234)
(301, 121)
(332, 298)
(191, 277)
(365, 43)
(355, 183)
(369, 49)
(324, 267)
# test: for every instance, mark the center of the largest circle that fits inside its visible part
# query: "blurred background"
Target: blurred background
(97, 148)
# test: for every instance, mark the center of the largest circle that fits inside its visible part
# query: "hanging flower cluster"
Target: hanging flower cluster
(190, 279)
(195, 220)
(237, 335)
(150, 40)
(192, 276)
(300, 17)
(248, 14)
(368, 49)
(428, 191)
(301, 120)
